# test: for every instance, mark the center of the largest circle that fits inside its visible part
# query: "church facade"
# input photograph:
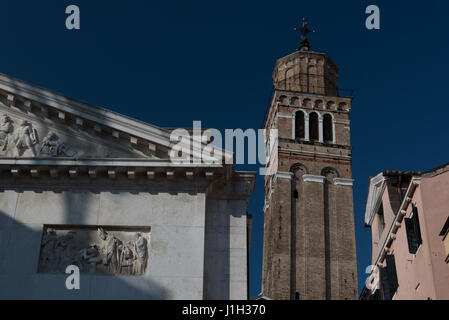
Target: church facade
(309, 238)
(86, 187)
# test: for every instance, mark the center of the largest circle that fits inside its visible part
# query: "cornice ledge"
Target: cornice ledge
(344, 182)
(313, 178)
(284, 175)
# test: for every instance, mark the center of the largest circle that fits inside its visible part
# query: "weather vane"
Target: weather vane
(304, 46)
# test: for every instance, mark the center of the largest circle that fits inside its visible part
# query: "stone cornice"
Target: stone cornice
(24, 96)
(375, 192)
(110, 168)
(344, 182)
(314, 154)
(107, 162)
(304, 94)
(37, 95)
(283, 175)
(396, 224)
(313, 178)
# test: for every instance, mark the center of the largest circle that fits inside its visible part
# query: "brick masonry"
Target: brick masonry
(309, 238)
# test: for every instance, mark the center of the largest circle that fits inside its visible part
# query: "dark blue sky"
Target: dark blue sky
(169, 63)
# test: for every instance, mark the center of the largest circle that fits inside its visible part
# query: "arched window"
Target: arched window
(307, 103)
(318, 104)
(300, 132)
(294, 101)
(313, 126)
(328, 133)
(282, 100)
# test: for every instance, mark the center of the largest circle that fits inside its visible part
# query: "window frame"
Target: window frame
(413, 232)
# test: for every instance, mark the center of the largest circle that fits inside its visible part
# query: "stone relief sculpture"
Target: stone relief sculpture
(53, 147)
(6, 128)
(16, 140)
(21, 138)
(140, 247)
(94, 251)
(25, 138)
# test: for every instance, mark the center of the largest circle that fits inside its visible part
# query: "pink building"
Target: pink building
(408, 216)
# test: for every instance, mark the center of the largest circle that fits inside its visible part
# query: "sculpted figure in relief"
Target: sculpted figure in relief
(111, 245)
(140, 247)
(48, 248)
(53, 147)
(64, 251)
(127, 258)
(88, 258)
(110, 255)
(6, 128)
(25, 138)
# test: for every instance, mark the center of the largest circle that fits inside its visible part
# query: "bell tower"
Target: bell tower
(309, 238)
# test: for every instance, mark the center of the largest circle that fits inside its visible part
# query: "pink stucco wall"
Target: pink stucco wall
(379, 239)
(423, 275)
(435, 205)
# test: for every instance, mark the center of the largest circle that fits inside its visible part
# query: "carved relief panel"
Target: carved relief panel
(20, 138)
(97, 250)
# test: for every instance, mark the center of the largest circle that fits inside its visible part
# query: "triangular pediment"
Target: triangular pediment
(36, 122)
(23, 135)
(375, 193)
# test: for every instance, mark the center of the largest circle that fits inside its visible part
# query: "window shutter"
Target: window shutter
(414, 238)
(392, 274)
(417, 226)
(385, 284)
(411, 236)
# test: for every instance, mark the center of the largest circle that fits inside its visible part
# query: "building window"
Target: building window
(313, 127)
(380, 220)
(389, 278)
(300, 132)
(413, 231)
(328, 128)
(445, 234)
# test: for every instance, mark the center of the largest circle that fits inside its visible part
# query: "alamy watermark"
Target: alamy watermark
(373, 20)
(73, 280)
(209, 147)
(372, 282)
(73, 21)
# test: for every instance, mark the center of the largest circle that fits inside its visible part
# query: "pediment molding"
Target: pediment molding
(112, 169)
(32, 98)
(97, 124)
(375, 193)
(60, 137)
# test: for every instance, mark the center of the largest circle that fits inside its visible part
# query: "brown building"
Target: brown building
(409, 220)
(309, 239)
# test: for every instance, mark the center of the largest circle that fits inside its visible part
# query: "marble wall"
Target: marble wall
(176, 250)
(197, 248)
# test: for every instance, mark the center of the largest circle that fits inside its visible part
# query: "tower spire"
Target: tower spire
(305, 45)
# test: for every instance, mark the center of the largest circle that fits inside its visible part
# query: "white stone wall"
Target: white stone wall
(226, 250)
(176, 248)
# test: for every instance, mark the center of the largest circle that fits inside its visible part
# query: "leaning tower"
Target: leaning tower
(309, 238)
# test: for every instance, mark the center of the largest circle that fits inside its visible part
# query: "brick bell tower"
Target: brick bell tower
(309, 240)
